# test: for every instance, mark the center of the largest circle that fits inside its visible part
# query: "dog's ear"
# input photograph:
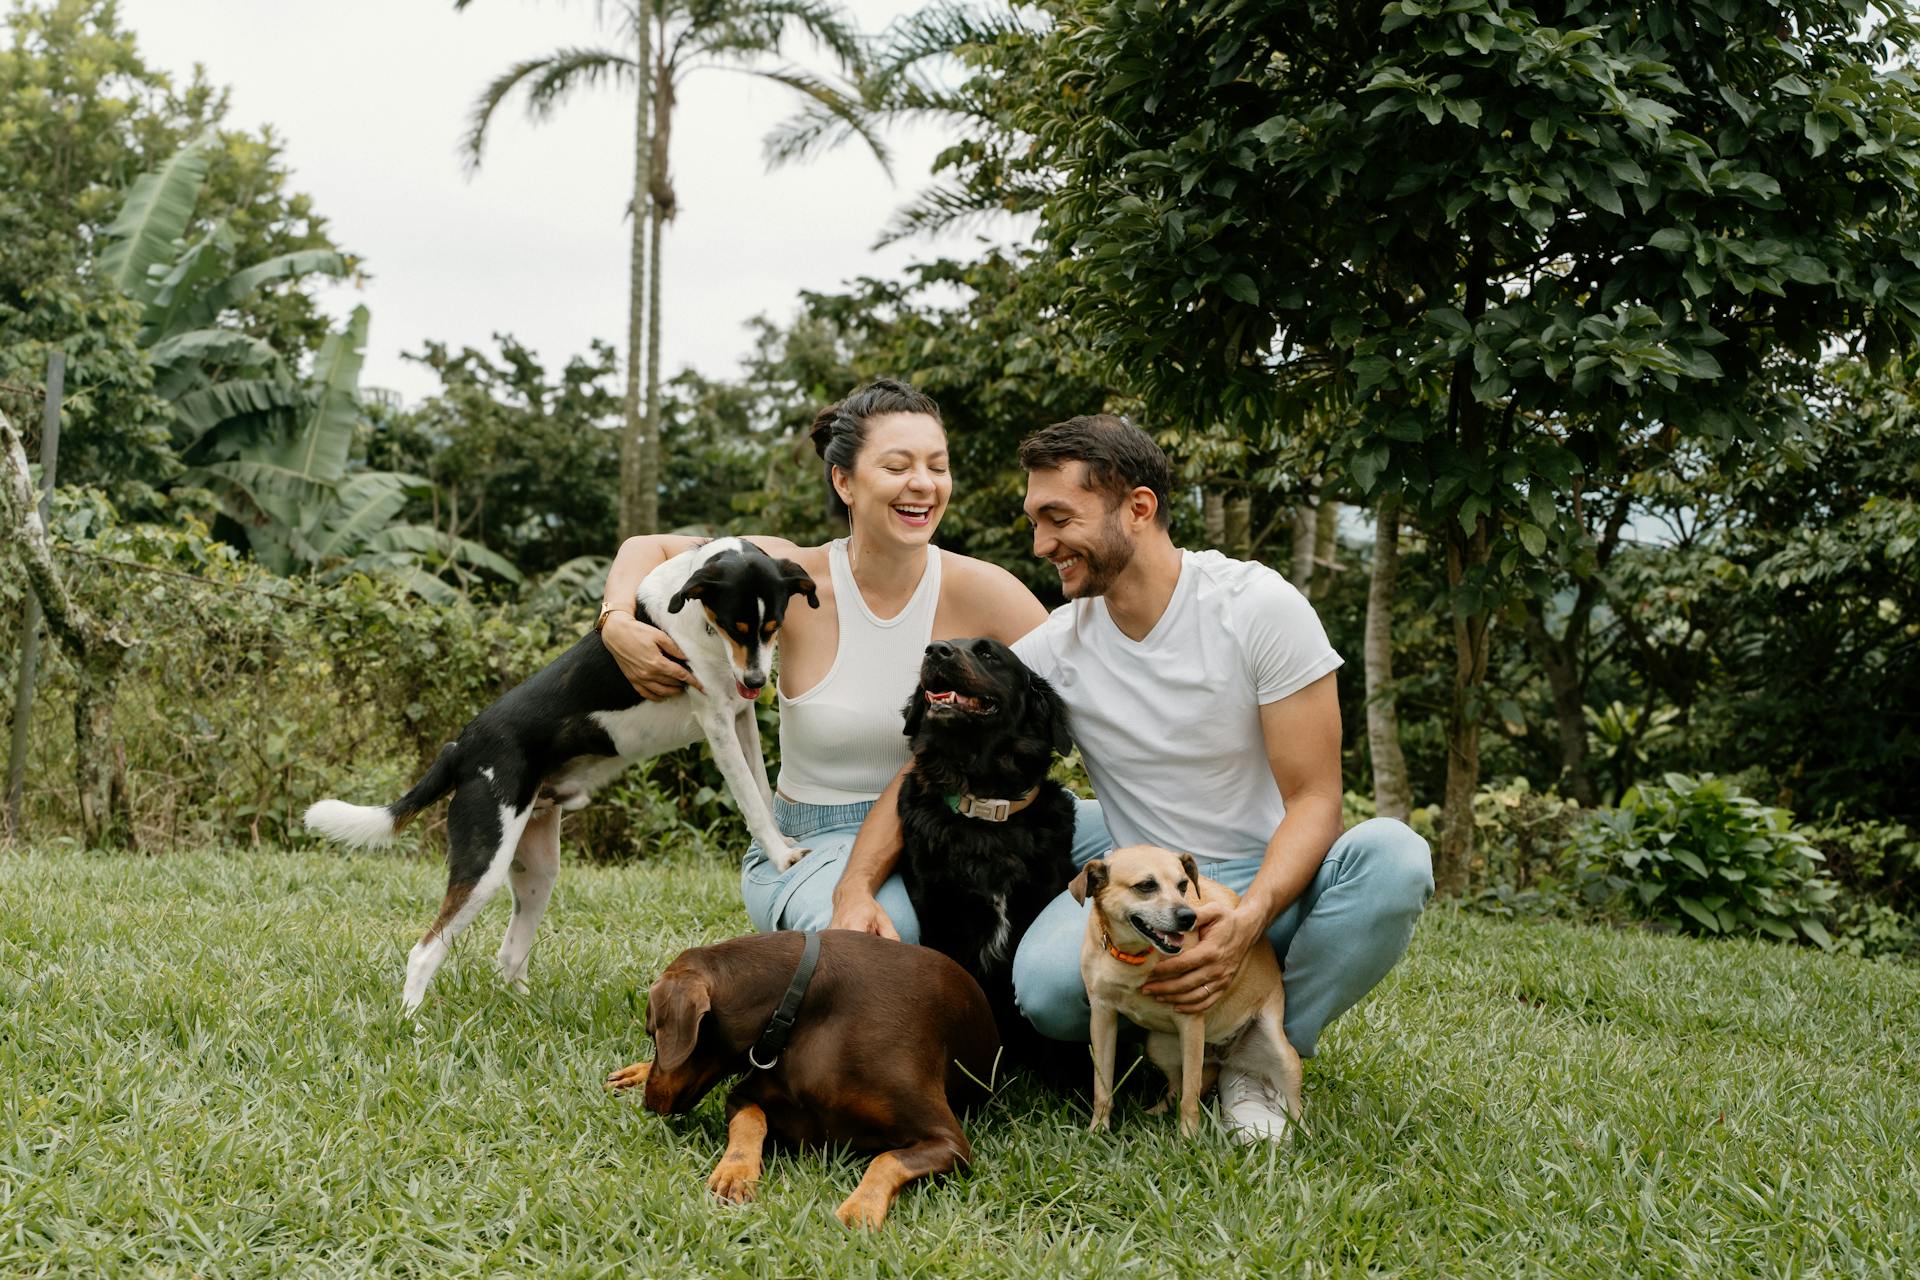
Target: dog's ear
(1192, 870)
(698, 583)
(915, 710)
(799, 581)
(1052, 713)
(1091, 880)
(677, 1003)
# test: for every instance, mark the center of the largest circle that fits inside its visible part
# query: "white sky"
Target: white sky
(371, 98)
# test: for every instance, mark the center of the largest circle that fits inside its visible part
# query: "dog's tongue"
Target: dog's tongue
(743, 691)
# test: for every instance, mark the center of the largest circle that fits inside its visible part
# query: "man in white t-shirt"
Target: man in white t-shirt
(1201, 695)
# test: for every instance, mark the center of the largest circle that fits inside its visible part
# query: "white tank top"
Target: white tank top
(841, 741)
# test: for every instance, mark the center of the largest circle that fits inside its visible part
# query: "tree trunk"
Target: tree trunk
(1569, 702)
(1213, 517)
(1392, 793)
(662, 207)
(98, 652)
(1306, 527)
(654, 468)
(1239, 527)
(1471, 633)
(639, 504)
(1326, 547)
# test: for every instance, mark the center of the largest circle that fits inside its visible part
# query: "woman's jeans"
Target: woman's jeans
(1350, 926)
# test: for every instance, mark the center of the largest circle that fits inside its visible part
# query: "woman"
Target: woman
(847, 668)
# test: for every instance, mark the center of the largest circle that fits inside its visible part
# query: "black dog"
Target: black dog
(987, 838)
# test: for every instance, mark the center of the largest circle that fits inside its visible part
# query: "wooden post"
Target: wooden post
(30, 616)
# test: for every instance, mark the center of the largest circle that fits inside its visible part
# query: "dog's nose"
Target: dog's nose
(754, 681)
(939, 649)
(1183, 919)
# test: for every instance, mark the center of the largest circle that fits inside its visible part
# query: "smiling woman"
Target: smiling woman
(847, 669)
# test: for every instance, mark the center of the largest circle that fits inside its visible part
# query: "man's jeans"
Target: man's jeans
(1335, 942)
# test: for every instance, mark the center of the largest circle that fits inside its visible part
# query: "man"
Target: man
(1201, 695)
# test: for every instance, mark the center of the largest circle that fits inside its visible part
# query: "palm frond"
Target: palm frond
(243, 284)
(841, 113)
(212, 346)
(746, 28)
(548, 81)
(155, 215)
(945, 206)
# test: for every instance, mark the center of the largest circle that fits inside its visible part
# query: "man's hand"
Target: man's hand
(1194, 980)
(863, 914)
(648, 657)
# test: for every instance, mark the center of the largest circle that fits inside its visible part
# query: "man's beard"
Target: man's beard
(1101, 564)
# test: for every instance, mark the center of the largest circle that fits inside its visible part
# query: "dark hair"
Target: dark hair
(840, 432)
(1120, 457)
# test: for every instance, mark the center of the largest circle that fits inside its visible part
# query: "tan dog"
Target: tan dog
(1144, 907)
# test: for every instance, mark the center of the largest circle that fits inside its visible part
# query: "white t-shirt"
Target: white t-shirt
(1169, 726)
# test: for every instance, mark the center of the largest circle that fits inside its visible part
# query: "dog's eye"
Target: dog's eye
(1146, 886)
(1182, 887)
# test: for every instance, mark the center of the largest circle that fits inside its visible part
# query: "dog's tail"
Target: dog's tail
(371, 824)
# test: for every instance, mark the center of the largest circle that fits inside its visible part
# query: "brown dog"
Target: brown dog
(888, 1042)
(1145, 902)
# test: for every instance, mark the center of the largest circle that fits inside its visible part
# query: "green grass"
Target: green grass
(203, 1071)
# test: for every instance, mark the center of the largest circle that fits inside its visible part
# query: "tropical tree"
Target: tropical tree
(82, 113)
(271, 447)
(660, 43)
(1524, 240)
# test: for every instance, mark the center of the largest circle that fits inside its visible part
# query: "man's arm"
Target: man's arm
(1302, 735)
(876, 848)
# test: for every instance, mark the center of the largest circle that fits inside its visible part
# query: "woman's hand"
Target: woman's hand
(648, 657)
(862, 914)
(1194, 980)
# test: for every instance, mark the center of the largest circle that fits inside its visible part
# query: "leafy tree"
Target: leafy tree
(81, 115)
(520, 459)
(1524, 240)
(670, 40)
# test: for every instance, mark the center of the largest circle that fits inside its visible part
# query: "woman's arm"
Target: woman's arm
(990, 602)
(997, 604)
(647, 656)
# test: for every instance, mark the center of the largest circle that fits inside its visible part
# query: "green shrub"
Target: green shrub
(1876, 867)
(1699, 855)
(1523, 850)
(248, 696)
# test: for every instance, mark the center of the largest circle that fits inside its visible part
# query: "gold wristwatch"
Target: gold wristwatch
(607, 611)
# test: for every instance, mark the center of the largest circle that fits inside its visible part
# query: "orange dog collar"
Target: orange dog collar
(1124, 957)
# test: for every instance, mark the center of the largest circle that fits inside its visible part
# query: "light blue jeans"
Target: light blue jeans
(802, 896)
(1335, 942)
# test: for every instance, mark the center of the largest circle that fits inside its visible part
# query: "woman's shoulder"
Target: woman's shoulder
(990, 597)
(965, 573)
(812, 559)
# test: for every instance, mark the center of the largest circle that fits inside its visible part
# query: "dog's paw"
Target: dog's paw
(786, 859)
(866, 1207)
(630, 1077)
(735, 1180)
(1102, 1118)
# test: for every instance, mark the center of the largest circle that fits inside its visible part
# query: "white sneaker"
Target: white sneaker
(1252, 1108)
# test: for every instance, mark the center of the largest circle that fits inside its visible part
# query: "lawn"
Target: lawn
(204, 1071)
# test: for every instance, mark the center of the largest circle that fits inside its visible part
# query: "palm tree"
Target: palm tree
(670, 40)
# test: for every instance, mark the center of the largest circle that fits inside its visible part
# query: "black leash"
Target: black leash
(774, 1038)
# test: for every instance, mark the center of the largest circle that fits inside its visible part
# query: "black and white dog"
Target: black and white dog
(986, 836)
(574, 726)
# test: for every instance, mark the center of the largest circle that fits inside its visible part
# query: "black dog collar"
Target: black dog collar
(774, 1038)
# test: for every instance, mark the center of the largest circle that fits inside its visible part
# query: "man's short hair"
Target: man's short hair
(1119, 456)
